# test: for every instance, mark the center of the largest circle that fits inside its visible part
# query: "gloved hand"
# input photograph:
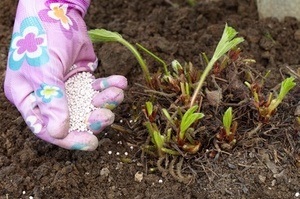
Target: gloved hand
(49, 45)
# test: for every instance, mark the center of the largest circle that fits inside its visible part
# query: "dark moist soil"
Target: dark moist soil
(266, 166)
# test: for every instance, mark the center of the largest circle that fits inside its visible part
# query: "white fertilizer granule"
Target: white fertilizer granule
(80, 93)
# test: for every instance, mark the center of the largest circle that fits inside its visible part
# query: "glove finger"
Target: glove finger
(111, 81)
(108, 98)
(99, 119)
(74, 140)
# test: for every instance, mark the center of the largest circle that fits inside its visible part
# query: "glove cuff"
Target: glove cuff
(81, 5)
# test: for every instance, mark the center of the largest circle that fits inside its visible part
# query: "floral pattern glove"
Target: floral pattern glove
(49, 45)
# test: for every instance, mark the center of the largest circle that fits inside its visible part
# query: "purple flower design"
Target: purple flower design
(59, 12)
(29, 44)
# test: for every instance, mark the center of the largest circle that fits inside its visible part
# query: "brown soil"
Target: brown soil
(264, 167)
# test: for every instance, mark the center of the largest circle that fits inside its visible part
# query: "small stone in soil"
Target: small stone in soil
(138, 177)
(104, 172)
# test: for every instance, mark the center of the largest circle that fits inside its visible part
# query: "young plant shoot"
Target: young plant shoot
(160, 140)
(228, 131)
(228, 41)
(187, 120)
(184, 139)
(266, 108)
(286, 86)
(156, 138)
(150, 111)
(178, 129)
(182, 128)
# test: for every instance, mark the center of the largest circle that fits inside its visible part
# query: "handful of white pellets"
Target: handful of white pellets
(80, 93)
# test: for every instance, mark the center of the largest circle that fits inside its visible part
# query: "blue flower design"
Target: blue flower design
(96, 126)
(48, 92)
(29, 44)
(110, 105)
(78, 146)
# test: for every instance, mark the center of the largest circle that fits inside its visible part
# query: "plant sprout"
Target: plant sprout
(157, 138)
(177, 131)
(227, 42)
(227, 121)
(150, 112)
(149, 108)
(228, 131)
(286, 86)
(176, 66)
(189, 118)
(102, 35)
(267, 108)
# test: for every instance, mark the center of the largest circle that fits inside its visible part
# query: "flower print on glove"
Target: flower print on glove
(28, 44)
(49, 45)
(59, 13)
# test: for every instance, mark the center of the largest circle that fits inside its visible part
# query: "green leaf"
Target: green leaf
(227, 42)
(170, 151)
(102, 35)
(176, 66)
(227, 120)
(286, 86)
(168, 116)
(149, 108)
(188, 119)
(156, 138)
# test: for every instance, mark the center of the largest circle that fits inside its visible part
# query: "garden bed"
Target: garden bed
(265, 166)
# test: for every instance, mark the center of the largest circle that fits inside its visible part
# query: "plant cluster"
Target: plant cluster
(175, 124)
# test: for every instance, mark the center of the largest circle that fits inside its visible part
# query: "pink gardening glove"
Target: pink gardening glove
(50, 44)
